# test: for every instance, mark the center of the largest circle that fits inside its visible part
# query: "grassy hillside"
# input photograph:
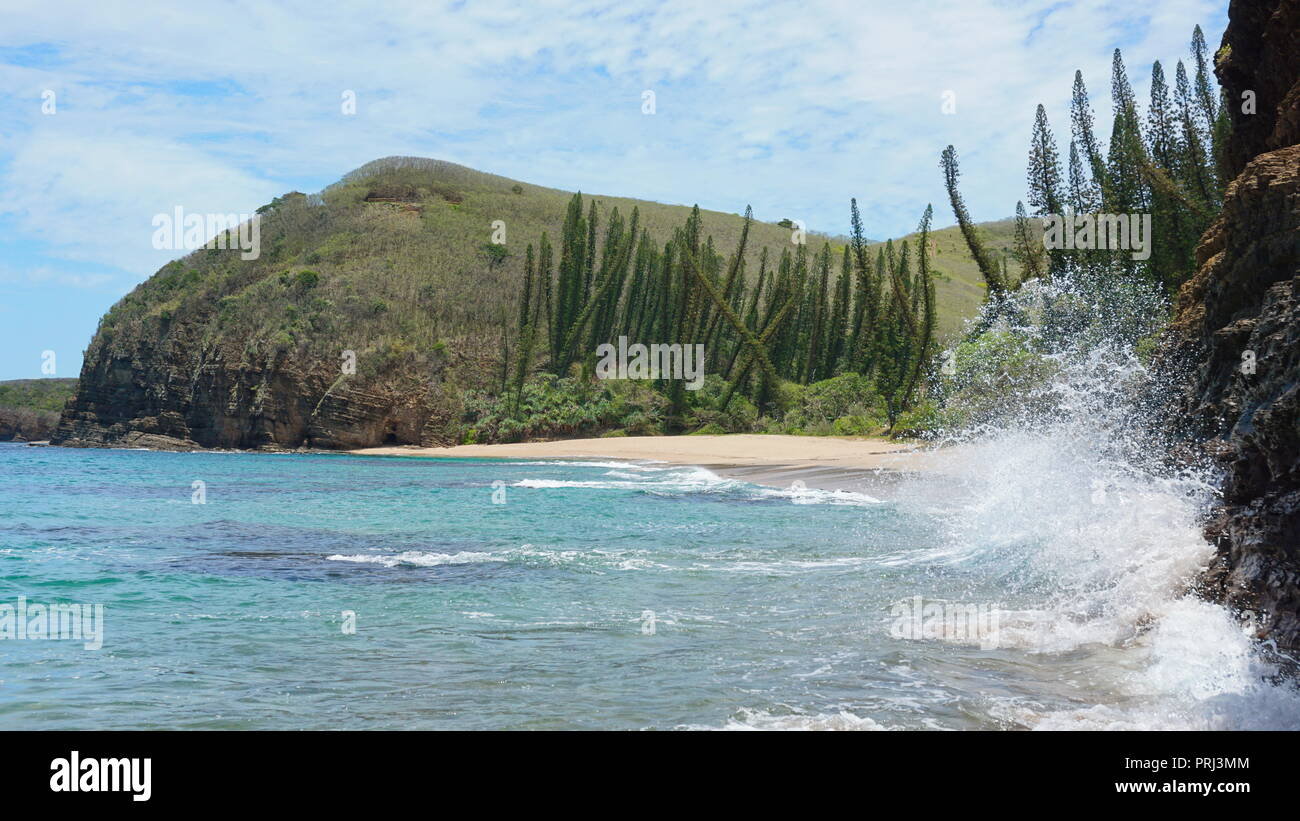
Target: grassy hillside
(391, 261)
(959, 288)
(395, 264)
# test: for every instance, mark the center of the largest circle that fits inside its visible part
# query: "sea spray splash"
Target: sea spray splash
(1064, 492)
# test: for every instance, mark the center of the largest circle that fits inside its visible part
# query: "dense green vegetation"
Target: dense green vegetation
(550, 407)
(29, 408)
(1167, 165)
(1169, 168)
(36, 394)
(806, 316)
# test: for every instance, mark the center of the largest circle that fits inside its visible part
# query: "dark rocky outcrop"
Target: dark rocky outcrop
(166, 400)
(26, 425)
(1243, 306)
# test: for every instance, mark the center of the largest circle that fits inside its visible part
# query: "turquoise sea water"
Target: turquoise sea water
(598, 595)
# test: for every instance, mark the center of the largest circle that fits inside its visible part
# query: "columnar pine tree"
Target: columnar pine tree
(1028, 249)
(1172, 257)
(1083, 193)
(893, 367)
(988, 266)
(529, 312)
(838, 328)
(569, 289)
(547, 307)
(1206, 98)
(1044, 173)
(1123, 160)
(1081, 124)
(1128, 191)
(866, 293)
(1044, 177)
(815, 360)
(928, 307)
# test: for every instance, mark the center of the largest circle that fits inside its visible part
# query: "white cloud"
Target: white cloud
(791, 106)
(47, 275)
(92, 196)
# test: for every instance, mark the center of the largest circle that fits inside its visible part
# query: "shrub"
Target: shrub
(822, 404)
(572, 406)
(496, 253)
(921, 420)
(711, 429)
(993, 373)
(859, 424)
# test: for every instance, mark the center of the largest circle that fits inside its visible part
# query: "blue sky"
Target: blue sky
(791, 107)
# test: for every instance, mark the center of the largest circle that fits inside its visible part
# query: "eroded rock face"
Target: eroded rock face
(172, 398)
(23, 425)
(1241, 313)
(1259, 54)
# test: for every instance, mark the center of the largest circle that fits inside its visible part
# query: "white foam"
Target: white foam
(675, 480)
(816, 496)
(581, 464)
(761, 720)
(785, 567)
(1065, 497)
(678, 480)
(415, 558)
(598, 560)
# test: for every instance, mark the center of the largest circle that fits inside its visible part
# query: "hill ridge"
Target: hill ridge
(390, 263)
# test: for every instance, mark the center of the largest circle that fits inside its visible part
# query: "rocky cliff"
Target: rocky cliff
(26, 425)
(1238, 321)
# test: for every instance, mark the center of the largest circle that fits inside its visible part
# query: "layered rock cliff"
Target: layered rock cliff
(1238, 321)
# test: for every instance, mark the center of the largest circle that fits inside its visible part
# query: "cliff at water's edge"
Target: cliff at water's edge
(1244, 300)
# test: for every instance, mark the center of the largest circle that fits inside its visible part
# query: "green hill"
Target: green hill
(29, 408)
(959, 288)
(36, 394)
(392, 263)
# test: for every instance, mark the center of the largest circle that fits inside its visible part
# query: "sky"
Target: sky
(112, 112)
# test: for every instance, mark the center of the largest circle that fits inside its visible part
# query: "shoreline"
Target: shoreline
(775, 460)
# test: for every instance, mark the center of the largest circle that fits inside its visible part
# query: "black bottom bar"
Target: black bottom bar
(632, 771)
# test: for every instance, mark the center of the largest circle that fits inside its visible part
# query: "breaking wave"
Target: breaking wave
(1061, 503)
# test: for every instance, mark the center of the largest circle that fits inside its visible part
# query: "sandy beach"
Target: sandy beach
(827, 463)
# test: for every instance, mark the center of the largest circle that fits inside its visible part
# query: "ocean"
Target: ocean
(320, 591)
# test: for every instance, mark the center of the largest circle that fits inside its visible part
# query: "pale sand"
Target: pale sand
(828, 463)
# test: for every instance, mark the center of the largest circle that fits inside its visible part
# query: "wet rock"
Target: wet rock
(1238, 321)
